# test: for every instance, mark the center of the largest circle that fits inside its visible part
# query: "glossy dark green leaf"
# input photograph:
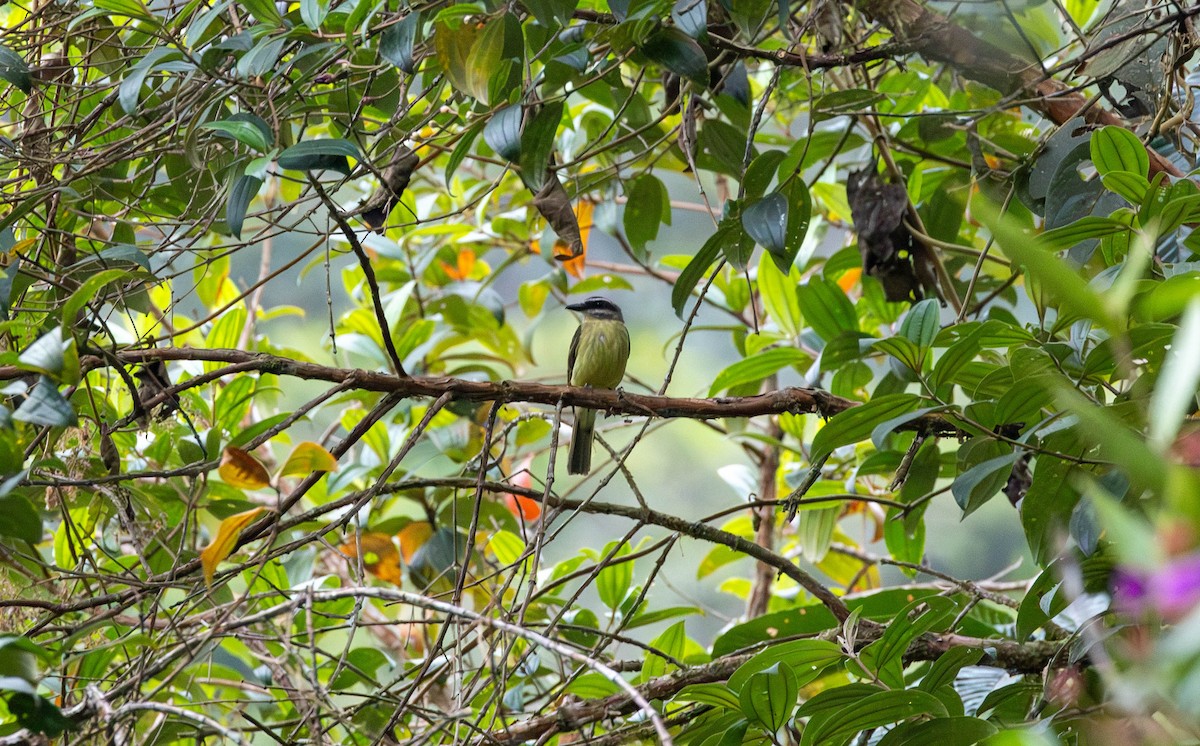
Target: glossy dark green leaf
(245, 128)
(1117, 149)
(1133, 187)
(802, 620)
(765, 221)
(974, 487)
(855, 424)
(21, 519)
(646, 204)
(396, 44)
(946, 667)
(715, 694)
(902, 349)
(44, 405)
(826, 308)
(885, 428)
(130, 90)
(45, 354)
(799, 210)
(679, 53)
(768, 697)
(761, 173)
(830, 701)
(806, 658)
(14, 69)
(691, 17)
(889, 649)
(551, 13)
(262, 58)
(241, 193)
(955, 357)
(484, 59)
(502, 132)
(695, 270)
(757, 367)
(537, 144)
(319, 155)
(950, 731)
(264, 11)
(1036, 609)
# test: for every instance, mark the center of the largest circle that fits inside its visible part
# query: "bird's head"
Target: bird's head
(597, 307)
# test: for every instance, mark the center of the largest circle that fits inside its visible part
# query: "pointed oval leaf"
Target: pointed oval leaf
(247, 129)
(44, 405)
(21, 519)
(241, 194)
(982, 482)
(695, 270)
(766, 221)
(222, 544)
(922, 322)
(14, 69)
(757, 367)
(826, 307)
(857, 423)
(715, 694)
(240, 469)
(46, 354)
(319, 155)
(679, 53)
(769, 696)
(949, 731)
(876, 710)
(398, 41)
(1115, 148)
(308, 458)
(502, 132)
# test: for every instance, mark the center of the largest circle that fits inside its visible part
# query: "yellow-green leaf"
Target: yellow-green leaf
(223, 543)
(308, 458)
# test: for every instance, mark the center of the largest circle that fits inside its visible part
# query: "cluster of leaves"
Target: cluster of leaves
(1023, 285)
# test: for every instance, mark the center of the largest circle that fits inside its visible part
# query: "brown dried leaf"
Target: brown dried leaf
(223, 543)
(240, 469)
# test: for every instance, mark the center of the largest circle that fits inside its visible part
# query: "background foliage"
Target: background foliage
(283, 346)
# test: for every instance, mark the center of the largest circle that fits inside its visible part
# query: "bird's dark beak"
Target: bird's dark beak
(581, 307)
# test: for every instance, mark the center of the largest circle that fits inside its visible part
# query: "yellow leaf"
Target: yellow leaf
(308, 458)
(413, 537)
(380, 557)
(222, 544)
(239, 469)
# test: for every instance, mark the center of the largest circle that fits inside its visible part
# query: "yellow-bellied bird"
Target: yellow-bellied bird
(597, 359)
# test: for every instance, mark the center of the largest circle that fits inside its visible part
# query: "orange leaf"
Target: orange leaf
(308, 458)
(575, 264)
(380, 557)
(239, 469)
(849, 279)
(223, 543)
(523, 507)
(413, 537)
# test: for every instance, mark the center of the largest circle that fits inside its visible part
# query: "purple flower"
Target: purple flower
(1172, 590)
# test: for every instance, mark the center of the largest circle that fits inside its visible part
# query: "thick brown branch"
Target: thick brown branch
(793, 400)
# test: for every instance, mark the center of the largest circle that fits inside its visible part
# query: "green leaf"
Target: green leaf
(903, 350)
(551, 13)
(247, 129)
(982, 482)
(873, 711)
(757, 367)
(715, 694)
(87, 291)
(955, 357)
(1133, 187)
(672, 643)
(856, 423)
(21, 519)
(1117, 149)
(537, 144)
(1174, 395)
(646, 203)
(44, 405)
(948, 731)
(827, 308)
(46, 354)
(613, 582)
(1035, 610)
(1072, 234)
(830, 701)
(264, 11)
(262, 58)
(130, 90)
(765, 221)
(814, 531)
(778, 291)
(502, 132)
(885, 428)
(889, 649)
(319, 155)
(313, 12)
(691, 17)
(241, 194)
(14, 69)
(806, 658)
(769, 696)
(679, 53)
(799, 203)
(922, 323)
(397, 42)
(946, 667)
(802, 620)
(484, 59)
(696, 269)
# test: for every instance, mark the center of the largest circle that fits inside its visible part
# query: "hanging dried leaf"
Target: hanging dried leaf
(525, 508)
(240, 469)
(393, 180)
(223, 543)
(380, 555)
(308, 458)
(414, 536)
(555, 206)
(886, 245)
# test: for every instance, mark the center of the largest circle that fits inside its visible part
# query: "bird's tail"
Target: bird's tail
(580, 459)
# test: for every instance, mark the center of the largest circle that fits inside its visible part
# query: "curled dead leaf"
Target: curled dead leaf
(240, 469)
(223, 543)
(380, 555)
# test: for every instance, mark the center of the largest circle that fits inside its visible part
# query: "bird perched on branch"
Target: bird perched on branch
(597, 359)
